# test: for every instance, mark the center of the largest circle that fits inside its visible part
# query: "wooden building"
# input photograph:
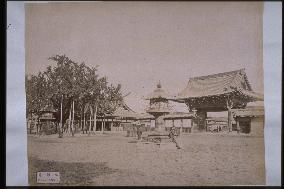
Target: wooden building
(214, 93)
(250, 120)
(181, 120)
(217, 124)
(121, 119)
(124, 116)
(147, 121)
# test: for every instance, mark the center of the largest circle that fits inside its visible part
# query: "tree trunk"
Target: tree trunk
(90, 126)
(56, 127)
(30, 123)
(69, 120)
(38, 125)
(84, 123)
(72, 119)
(95, 118)
(81, 120)
(102, 130)
(111, 125)
(60, 125)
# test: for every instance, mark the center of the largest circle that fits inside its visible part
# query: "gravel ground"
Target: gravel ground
(113, 159)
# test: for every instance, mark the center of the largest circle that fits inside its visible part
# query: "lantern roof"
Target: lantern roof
(158, 93)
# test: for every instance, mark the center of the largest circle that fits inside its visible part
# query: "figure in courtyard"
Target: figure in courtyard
(139, 130)
(172, 135)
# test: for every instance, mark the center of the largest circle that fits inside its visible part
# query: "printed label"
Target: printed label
(48, 177)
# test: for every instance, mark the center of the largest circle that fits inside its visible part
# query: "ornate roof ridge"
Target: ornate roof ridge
(217, 75)
(218, 84)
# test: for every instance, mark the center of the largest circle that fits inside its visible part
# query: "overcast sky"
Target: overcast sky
(139, 43)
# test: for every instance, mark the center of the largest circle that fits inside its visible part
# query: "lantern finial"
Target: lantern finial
(159, 85)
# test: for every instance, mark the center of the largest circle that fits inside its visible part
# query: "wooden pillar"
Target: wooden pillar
(229, 119)
(199, 122)
(229, 107)
(103, 122)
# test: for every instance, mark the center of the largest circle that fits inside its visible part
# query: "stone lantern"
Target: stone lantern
(159, 106)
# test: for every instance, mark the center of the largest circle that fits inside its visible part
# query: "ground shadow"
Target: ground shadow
(70, 173)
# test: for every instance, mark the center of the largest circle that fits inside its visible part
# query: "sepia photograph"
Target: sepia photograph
(144, 93)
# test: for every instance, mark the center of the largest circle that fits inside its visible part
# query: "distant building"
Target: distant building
(181, 120)
(250, 120)
(216, 124)
(122, 118)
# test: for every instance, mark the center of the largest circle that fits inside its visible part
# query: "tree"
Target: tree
(71, 86)
(36, 98)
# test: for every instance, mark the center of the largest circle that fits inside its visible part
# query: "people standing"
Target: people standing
(172, 135)
(139, 132)
(138, 129)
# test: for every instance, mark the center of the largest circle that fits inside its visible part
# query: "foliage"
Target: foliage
(71, 81)
(36, 87)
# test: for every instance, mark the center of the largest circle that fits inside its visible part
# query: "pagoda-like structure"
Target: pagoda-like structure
(159, 106)
(218, 92)
(47, 118)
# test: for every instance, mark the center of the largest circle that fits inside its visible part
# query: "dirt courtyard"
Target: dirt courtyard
(116, 160)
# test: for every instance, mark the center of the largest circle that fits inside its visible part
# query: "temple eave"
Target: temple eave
(242, 95)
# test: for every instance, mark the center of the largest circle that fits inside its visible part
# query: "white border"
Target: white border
(16, 154)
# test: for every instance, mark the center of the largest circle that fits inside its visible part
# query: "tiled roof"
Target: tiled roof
(158, 93)
(218, 84)
(248, 112)
(256, 104)
(145, 116)
(124, 111)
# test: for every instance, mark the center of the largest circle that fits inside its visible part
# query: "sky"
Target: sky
(138, 44)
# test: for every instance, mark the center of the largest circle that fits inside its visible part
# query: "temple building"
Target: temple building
(119, 120)
(123, 117)
(214, 93)
(181, 120)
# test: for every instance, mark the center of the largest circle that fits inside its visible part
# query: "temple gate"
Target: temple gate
(215, 93)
